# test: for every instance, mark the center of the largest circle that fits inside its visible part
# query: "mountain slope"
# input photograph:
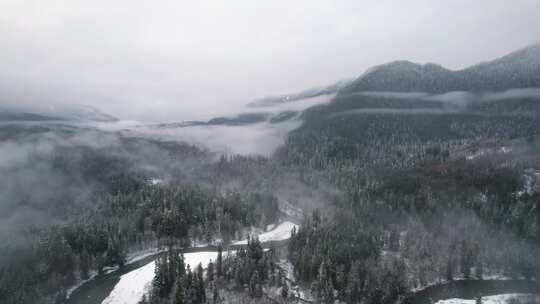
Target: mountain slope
(310, 93)
(520, 69)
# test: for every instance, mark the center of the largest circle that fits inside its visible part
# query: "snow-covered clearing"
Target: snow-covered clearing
(196, 258)
(497, 299)
(280, 233)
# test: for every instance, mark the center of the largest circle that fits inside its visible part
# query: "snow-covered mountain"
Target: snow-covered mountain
(520, 69)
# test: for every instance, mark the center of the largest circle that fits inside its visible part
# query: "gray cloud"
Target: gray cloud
(456, 97)
(449, 102)
(254, 139)
(189, 60)
(251, 139)
(49, 173)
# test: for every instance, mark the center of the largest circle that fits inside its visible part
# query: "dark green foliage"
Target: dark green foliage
(171, 215)
(210, 272)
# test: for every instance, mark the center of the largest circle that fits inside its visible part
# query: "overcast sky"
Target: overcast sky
(171, 60)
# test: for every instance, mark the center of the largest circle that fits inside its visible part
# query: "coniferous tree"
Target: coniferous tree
(160, 284)
(189, 287)
(480, 269)
(449, 270)
(255, 288)
(179, 296)
(220, 262)
(85, 264)
(199, 286)
(215, 295)
(465, 260)
(210, 271)
(285, 291)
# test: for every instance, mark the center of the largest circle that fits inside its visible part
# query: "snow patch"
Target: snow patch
(280, 233)
(496, 299)
(153, 181)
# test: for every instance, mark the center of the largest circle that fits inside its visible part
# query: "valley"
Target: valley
(411, 183)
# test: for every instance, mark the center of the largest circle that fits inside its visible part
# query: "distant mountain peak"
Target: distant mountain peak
(55, 112)
(400, 76)
(405, 66)
(86, 113)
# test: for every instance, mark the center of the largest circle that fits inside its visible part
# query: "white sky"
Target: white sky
(172, 60)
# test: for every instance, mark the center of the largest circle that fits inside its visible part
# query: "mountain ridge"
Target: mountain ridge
(55, 112)
(305, 94)
(518, 69)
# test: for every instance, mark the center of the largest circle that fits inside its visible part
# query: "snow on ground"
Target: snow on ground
(532, 182)
(475, 155)
(131, 258)
(289, 209)
(203, 243)
(155, 181)
(196, 258)
(298, 291)
(495, 276)
(497, 299)
(288, 268)
(281, 232)
(489, 274)
(132, 285)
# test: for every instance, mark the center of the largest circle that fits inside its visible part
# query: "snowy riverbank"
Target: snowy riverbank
(132, 286)
(514, 298)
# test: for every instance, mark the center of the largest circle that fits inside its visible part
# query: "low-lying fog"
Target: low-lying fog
(258, 138)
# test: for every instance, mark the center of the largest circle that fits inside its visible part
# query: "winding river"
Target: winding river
(472, 289)
(98, 289)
